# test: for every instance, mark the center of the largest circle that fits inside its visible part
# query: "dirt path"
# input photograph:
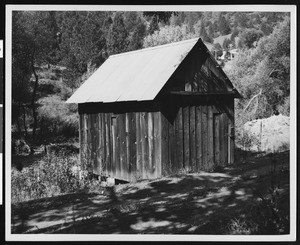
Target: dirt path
(202, 203)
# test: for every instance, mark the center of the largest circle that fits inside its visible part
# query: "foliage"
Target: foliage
(55, 174)
(83, 39)
(248, 38)
(57, 116)
(241, 227)
(137, 35)
(226, 43)
(34, 45)
(223, 25)
(153, 26)
(264, 67)
(166, 35)
(160, 16)
(241, 20)
(200, 31)
(234, 34)
(117, 36)
(266, 28)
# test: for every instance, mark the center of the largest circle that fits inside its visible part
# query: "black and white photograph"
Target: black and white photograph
(173, 123)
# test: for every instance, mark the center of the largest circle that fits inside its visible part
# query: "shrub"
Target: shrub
(58, 117)
(241, 227)
(53, 175)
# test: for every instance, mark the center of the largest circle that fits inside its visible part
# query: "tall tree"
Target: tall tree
(34, 37)
(83, 39)
(210, 32)
(117, 35)
(223, 25)
(248, 38)
(153, 25)
(137, 36)
(201, 31)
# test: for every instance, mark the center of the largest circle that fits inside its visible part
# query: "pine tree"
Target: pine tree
(117, 36)
(137, 36)
(153, 25)
(210, 32)
(200, 31)
(223, 25)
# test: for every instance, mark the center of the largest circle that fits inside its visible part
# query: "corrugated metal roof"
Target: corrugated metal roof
(133, 76)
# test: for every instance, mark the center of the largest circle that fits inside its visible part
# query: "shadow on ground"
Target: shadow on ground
(201, 203)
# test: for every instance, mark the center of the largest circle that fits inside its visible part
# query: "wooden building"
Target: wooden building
(157, 111)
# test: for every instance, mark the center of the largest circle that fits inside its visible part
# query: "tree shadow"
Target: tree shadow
(200, 203)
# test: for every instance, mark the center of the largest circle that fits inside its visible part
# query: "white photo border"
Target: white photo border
(156, 237)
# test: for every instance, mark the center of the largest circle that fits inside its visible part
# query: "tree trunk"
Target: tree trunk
(18, 120)
(24, 122)
(34, 114)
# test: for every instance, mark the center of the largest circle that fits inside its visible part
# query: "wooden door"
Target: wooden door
(220, 139)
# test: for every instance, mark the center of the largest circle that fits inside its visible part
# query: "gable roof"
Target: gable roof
(133, 76)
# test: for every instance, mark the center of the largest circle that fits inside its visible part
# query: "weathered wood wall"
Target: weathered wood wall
(125, 146)
(199, 137)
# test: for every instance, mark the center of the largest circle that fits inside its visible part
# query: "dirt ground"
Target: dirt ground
(201, 203)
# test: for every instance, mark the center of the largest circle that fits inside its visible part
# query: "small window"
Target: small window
(188, 87)
(113, 120)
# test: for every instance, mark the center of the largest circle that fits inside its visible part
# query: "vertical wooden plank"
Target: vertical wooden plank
(180, 139)
(176, 148)
(171, 165)
(99, 141)
(133, 146)
(204, 137)
(233, 125)
(97, 136)
(150, 145)
(157, 144)
(86, 155)
(142, 131)
(103, 143)
(210, 148)
(81, 130)
(107, 142)
(217, 139)
(113, 145)
(88, 144)
(222, 136)
(164, 144)
(193, 138)
(123, 167)
(128, 151)
(117, 147)
(138, 147)
(144, 138)
(94, 134)
(225, 140)
(199, 156)
(186, 134)
(232, 131)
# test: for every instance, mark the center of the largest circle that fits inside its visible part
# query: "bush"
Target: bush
(54, 175)
(245, 139)
(241, 227)
(58, 117)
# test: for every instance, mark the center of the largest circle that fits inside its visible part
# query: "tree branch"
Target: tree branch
(260, 92)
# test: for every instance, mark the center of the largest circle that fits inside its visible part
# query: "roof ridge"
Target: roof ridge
(155, 47)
